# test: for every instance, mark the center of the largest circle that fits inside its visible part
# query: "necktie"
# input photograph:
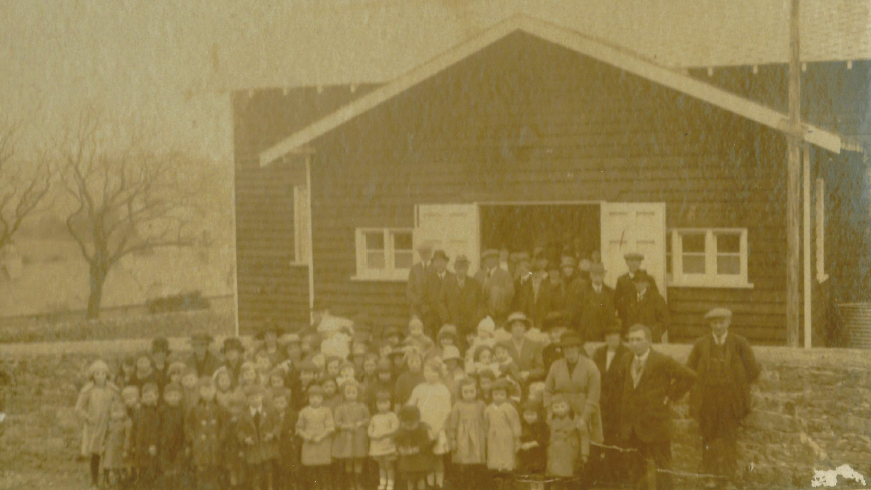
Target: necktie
(637, 366)
(257, 418)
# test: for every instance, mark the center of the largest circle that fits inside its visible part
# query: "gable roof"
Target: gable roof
(612, 55)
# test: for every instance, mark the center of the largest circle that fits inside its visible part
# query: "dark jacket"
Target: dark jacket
(432, 289)
(264, 435)
(742, 368)
(575, 289)
(146, 429)
(414, 289)
(597, 312)
(612, 389)
(625, 295)
(203, 432)
(644, 409)
(287, 441)
(207, 366)
(172, 440)
(651, 311)
(462, 307)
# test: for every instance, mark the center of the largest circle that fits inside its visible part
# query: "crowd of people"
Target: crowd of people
(489, 385)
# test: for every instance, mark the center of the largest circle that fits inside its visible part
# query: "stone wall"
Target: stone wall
(812, 411)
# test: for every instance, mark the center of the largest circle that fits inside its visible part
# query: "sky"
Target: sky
(171, 64)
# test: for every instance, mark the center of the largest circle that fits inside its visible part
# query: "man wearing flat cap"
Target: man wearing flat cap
(414, 289)
(624, 291)
(433, 281)
(202, 358)
(720, 398)
(496, 285)
(648, 307)
(460, 301)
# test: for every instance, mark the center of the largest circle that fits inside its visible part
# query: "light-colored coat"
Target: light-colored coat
(93, 406)
(582, 388)
(503, 432)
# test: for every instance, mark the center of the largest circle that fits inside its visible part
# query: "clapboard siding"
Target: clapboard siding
(527, 121)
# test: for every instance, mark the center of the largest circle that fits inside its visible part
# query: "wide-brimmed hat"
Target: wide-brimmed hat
(717, 313)
(633, 256)
(570, 339)
(447, 330)
(289, 338)
(440, 254)
(451, 352)
(517, 316)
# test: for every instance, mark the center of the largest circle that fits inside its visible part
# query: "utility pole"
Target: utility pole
(793, 191)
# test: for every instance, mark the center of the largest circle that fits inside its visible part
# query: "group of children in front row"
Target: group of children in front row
(293, 419)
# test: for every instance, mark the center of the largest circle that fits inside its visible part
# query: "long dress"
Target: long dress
(93, 406)
(562, 452)
(382, 426)
(351, 443)
(466, 431)
(503, 431)
(534, 460)
(434, 402)
(315, 422)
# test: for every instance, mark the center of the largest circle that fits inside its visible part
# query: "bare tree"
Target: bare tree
(22, 186)
(126, 198)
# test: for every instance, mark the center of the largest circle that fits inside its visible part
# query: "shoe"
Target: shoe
(389, 485)
(383, 484)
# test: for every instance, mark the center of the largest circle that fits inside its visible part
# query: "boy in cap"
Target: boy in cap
(597, 311)
(625, 291)
(648, 307)
(203, 433)
(461, 301)
(720, 399)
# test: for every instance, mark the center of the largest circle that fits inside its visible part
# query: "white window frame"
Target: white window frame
(676, 276)
(390, 272)
(301, 217)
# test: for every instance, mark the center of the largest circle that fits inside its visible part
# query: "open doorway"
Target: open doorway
(559, 228)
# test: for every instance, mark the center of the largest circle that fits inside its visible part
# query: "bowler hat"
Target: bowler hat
(717, 313)
(440, 254)
(232, 343)
(597, 267)
(570, 339)
(633, 256)
(641, 276)
(160, 344)
(461, 259)
(490, 252)
(613, 327)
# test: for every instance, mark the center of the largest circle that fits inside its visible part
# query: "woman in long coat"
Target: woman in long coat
(582, 386)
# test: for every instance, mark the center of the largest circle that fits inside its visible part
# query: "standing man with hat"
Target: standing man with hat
(202, 358)
(611, 361)
(496, 285)
(460, 300)
(653, 381)
(597, 311)
(721, 398)
(522, 275)
(414, 289)
(433, 281)
(624, 291)
(648, 307)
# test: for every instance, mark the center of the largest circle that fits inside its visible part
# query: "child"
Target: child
(276, 383)
(114, 459)
(486, 378)
(307, 376)
(263, 366)
(174, 372)
(347, 372)
(397, 360)
(359, 351)
(484, 336)
(130, 396)
(190, 393)
(285, 466)
(504, 362)
(332, 397)
(230, 452)
(409, 379)
(467, 434)
(144, 372)
(172, 437)
(383, 382)
(483, 360)
(127, 372)
(93, 406)
(562, 452)
(203, 433)
(292, 348)
(223, 385)
(332, 366)
(414, 445)
(454, 373)
(370, 369)
(350, 443)
(503, 430)
(257, 433)
(247, 376)
(534, 439)
(147, 436)
(314, 427)
(382, 428)
(433, 399)
(417, 338)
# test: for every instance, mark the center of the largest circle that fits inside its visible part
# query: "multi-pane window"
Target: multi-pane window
(707, 257)
(384, 253)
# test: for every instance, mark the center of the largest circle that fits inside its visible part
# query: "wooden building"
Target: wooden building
(525, 131)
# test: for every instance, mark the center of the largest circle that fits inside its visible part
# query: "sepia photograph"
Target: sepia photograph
(435, 244)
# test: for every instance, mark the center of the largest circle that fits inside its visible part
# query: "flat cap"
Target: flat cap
(490, 252)
(633, 256)
(718, 313)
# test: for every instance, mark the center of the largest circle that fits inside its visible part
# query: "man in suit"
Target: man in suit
(496, 285)
(624, 291)
(554, 325)
(528, 291)
(526, 353)
(460, 301)
(597, 311)
(652, 381)
(434, 279)
(648, 307)
(721, 398)
(522, 275)
(414, 288)
(611, 359)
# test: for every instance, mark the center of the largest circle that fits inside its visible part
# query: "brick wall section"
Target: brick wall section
(812, 411)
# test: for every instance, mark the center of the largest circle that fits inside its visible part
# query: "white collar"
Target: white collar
(254, 411)
(643, 358)
(720, 340)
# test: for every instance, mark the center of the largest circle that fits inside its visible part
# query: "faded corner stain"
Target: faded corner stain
(829, 478)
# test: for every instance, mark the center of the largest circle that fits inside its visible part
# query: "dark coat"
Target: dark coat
(172, 440)
(462, 307)
(534, 460)
(651, 311)
(612, 389)
(575, 290)
(550, 354)
(625, 295)
(264, 436)
(741, 367)
(521, 300)
(203, 431)
(645, 408)
(414, 289)
(288, 447)
(207, 366)
(146, 429)
(597, 312)
(432, 289)
(529, 359)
